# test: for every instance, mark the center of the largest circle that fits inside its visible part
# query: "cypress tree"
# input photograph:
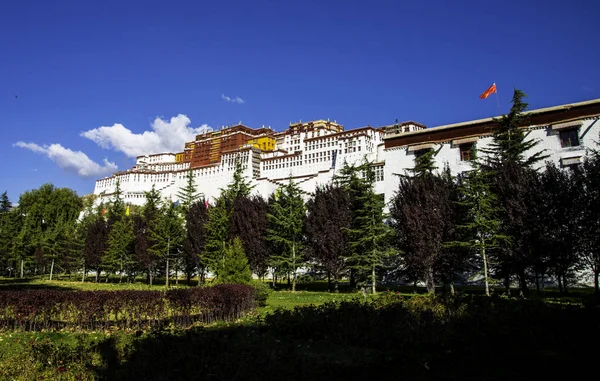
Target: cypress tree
(286, 221)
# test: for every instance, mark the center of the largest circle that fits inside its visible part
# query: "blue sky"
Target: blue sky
(69, 68)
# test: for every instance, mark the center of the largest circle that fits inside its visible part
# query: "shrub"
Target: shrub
(261, 292)
(37, 310)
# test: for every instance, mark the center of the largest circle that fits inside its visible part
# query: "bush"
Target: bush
(37, 310)
(261, 293)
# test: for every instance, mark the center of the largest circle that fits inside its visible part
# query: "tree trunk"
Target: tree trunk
(523, 283)
(167, 273)
(452, 291)
(373, 281)
(121, 273)
(560, 287)
(22, 268)
(150, 276)
(294, 264)
(507, 283)
(596, 288)
(430, 281)
(176, 277)
(565, 282)
(51, 268)
(485, 269)
(83, 276)
(329, 281)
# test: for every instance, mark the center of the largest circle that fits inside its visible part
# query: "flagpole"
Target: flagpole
(497, 100)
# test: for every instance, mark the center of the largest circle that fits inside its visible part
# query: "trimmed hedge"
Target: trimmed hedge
(49, 310)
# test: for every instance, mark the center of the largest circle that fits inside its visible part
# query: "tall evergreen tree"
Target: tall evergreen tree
(217, 236)
(188, 194)
(7, 230)
(424, 162)
(480, 229)
(328, 221)
(234, 268)
(167, 237)
(286, 220)
(119, 253)
(116, 210)
(369, 239)
(508, 139)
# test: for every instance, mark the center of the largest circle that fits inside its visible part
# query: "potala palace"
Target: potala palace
(311, 153)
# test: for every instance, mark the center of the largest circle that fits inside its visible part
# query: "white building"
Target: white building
(311, 153)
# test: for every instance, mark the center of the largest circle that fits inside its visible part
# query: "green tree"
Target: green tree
(234, 268)
(480, 229)
(370, 242)
(508, 139)
(43, 210)
(188, 194)
(7, 230)
(424, 162)
(167, 237)
(119, 253)
(116, 210)
(217, 236)
(286, 220)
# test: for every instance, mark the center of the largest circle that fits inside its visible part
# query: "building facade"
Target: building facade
(311, 153)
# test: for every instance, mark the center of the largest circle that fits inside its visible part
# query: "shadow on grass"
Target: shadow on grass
(477, 340)
(11, 284)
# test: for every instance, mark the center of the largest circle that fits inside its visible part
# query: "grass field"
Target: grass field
(320, 343)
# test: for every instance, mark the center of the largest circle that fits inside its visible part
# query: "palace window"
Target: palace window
(466, 151)
(378, 173)
(569, 137)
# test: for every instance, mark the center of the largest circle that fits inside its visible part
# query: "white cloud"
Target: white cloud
(73, 161)
(165, 136)
(232, 100)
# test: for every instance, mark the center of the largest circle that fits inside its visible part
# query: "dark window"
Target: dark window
(569, 137)
(466, 152)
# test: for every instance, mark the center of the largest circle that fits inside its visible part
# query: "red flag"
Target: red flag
(103, 212)
(488, 92)
(206, 204)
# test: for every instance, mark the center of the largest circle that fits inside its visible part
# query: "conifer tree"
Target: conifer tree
(424, 162)
(508, 139)
(480, 230)
(116, 210)
(167, 236)
(369, 238)
(234, 268)
(286, 218)
(7, 229)
(188, 194)
(119, 251)
(217, 236)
